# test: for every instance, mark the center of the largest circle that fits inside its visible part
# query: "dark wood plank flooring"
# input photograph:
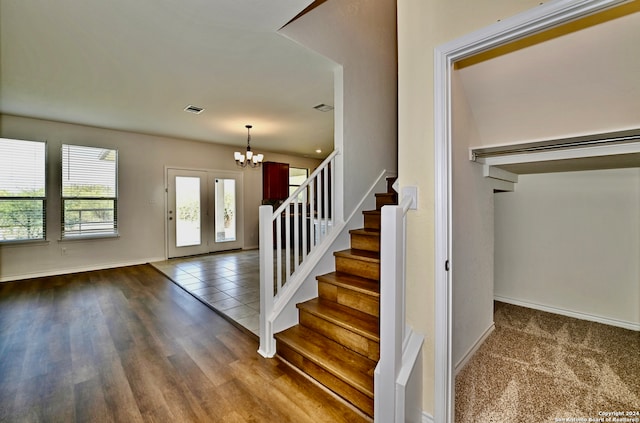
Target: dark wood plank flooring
(128, 345)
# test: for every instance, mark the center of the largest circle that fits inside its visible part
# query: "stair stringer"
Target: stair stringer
(304, 286)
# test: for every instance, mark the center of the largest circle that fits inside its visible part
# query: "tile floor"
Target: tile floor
(229, 282)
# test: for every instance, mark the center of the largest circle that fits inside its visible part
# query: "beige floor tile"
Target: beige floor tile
(240, 312)
(228, 282)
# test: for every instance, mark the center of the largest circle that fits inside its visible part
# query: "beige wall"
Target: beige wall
(141, 203)
(571, 242)
(421, 27)
(359, 35)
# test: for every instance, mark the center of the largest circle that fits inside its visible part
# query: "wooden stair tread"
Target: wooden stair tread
(366, 232)
(348, 366)
(385, 194)
(348, 318)
(353, 282)
(363, 255)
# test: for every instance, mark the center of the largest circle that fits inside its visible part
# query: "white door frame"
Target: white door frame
(535, 20)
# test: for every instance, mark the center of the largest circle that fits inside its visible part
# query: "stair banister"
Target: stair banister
(395, 337)
(306, 227)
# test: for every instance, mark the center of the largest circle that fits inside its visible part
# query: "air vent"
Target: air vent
(193, 109)
(324, 107)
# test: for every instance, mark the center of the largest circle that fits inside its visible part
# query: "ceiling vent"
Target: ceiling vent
(193, 109)
(324, 107)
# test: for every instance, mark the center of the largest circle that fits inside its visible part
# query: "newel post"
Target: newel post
(267, 341)
(391, 242)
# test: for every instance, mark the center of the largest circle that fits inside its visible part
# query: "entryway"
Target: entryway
(204, 211)
(228, 282)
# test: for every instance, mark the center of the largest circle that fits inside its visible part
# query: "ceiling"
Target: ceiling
(135, 65)
(575, 83)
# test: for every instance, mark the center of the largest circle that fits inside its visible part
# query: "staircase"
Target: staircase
(337, 340)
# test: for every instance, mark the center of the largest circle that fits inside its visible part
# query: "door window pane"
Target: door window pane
(225, 210)
(188, 211)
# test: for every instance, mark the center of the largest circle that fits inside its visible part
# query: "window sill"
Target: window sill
(25, 243)
(77, 238)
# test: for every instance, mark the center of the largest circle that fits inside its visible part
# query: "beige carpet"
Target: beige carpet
(542, 367)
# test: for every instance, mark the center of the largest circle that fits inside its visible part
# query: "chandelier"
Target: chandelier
(248, 158)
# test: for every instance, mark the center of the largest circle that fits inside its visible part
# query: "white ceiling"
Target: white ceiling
(135, 65)
(584, 82)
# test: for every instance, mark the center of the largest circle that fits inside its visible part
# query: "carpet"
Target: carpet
(543, 367)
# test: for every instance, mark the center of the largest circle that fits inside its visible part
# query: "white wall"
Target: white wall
(360, 35)
(141, 203)
(472, 243)
(571, 242)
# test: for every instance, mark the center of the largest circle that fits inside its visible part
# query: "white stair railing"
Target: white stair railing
(400, 347)
(288, 237)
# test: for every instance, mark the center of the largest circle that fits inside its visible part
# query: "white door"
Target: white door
(204, 212)
(187, 206)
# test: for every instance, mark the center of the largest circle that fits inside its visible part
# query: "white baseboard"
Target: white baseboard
(427, 418)
(570, 313)
(465, 359)
(68, 270)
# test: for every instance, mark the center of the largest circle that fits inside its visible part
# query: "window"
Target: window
(297, 176)
(89, 191)
(22, 190)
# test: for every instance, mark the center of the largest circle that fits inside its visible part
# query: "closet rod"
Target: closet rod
(611, 138)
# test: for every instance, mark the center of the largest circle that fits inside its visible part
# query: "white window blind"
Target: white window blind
(22, 190)
(89, 191)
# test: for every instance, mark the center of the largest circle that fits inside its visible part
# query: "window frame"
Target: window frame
(67, 235)
(42, 198)
(291, 191)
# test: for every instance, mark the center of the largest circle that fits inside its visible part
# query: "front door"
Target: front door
(204, 211)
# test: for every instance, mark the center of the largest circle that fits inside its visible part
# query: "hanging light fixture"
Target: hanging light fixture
(253, 160)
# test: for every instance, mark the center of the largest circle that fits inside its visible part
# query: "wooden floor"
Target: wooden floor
(128, 345)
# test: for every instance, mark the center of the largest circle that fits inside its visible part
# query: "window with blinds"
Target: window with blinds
(22, 190)
(89, 191)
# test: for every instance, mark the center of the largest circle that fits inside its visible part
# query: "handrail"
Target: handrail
(289, 236)
(395, 337)
(306, 183)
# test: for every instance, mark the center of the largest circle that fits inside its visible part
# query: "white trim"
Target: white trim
(542, 17)
(443, 378)
(471, 352)
(570, 313)
(409, 381)
(500, 174)
(573, 153)
(68, 270)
